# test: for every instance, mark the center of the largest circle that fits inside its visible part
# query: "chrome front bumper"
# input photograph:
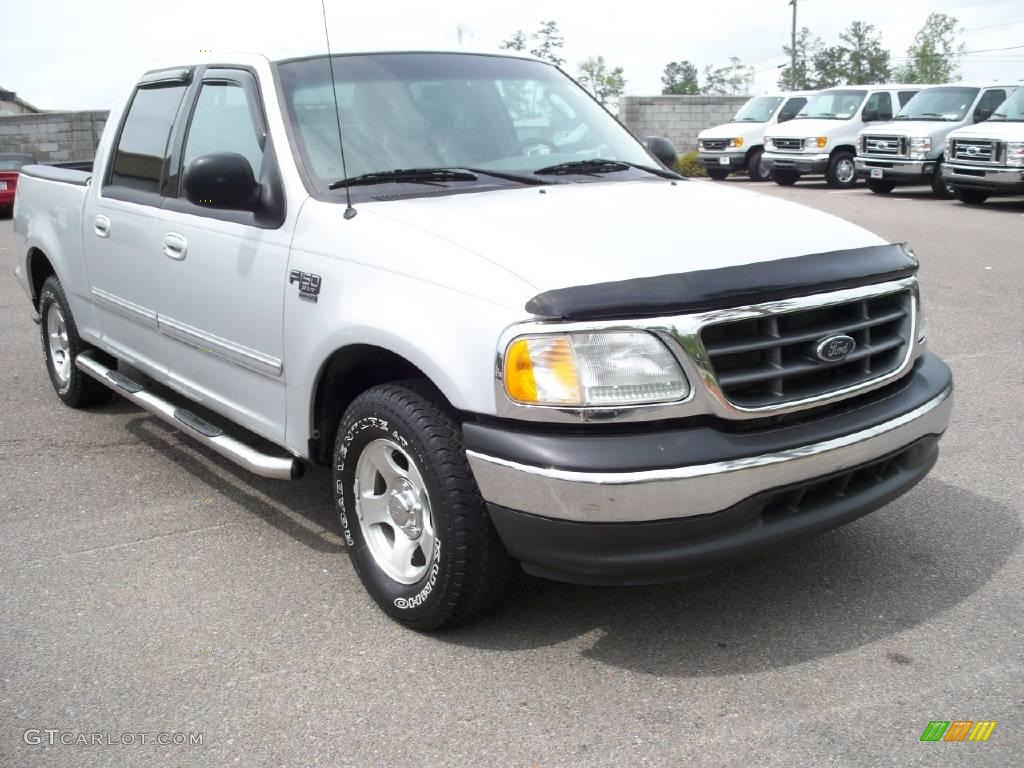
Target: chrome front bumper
(1010, 180)
(795, 161)
(890, 168)
(690, 491)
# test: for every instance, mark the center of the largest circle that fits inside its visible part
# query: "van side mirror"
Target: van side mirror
(981, 114)
(223, 180)
(869, 116)
(662, 149)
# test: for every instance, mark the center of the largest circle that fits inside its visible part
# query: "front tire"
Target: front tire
(785, 178)
(756, 169)
(419, 533)
(881, 186)
(841, 172)
(61, 347)
(940, 187)
(717, 174)
(971, 196)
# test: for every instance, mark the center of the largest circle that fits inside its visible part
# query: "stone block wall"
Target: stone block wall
(53, 136)
(677, 118)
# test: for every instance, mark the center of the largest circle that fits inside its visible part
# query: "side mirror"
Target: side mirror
(869, 116)
(981, 114)
(662, 149)
(222, 180)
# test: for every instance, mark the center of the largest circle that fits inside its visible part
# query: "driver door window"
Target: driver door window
(880, 104)
(791, 108)
(222, 122)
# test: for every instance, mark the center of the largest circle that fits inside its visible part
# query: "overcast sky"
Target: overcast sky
(77, 54)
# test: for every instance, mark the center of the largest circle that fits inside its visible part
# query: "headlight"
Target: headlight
(592, 369)
(769, 142)
(736, 142)
(1015, 153)
(816, 141)
(948, 151)
(920, 147)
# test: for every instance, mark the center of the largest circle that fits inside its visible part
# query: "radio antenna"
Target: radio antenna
(350, 212)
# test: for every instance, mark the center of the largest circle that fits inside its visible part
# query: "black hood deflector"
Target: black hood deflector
(709, 289)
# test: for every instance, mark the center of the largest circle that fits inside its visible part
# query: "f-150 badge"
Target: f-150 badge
(309, 284)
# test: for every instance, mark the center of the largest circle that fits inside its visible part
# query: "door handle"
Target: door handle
(175, 246)
(101, 224)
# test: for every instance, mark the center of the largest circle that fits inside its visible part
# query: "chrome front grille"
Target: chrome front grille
(976, 150)
(886, 146)
(769, 360)
(788, 145)
(714, 145)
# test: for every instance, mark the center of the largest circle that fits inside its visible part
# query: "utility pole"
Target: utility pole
(792, 51)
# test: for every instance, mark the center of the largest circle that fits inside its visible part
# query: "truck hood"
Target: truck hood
(577, 234)
(909, 128)
(810, 127)
(731, 130)
(991, 129)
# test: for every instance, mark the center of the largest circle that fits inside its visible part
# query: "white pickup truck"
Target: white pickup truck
(488, 317)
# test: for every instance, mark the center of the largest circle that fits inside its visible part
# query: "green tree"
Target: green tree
(680, 78)
(734, 79)
(866, 61)
(515, 43)
(604, 83)
(799, 75)
(548, 43)
(932, 57)
(830, 66)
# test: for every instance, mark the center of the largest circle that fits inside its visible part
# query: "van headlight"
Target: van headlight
(1015, 153)
(920, 147)
(818, 142)
(737, 142)
(948, 149)
(583, 369)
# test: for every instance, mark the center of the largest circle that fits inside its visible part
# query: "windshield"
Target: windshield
(949, 104)
(833, 105)
(1012, 109)
(434, 110)
(758, 110)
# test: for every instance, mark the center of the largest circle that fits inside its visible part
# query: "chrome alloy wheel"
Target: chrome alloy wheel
(846, 171)
(57, 343)
(394, 511)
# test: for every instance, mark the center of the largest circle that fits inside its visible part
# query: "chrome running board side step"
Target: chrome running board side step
(213, 437)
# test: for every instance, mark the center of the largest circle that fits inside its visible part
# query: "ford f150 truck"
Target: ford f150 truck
(988, 159)
(822, 138)
(458, 282)
(739, 144)
(910, 150)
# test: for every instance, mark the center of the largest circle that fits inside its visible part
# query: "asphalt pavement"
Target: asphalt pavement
(150, 587)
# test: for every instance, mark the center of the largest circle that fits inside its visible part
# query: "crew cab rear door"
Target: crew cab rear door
(223, 273)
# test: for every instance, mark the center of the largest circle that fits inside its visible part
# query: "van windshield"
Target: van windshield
(758, 110)
(1011, 110)
(832, 105)
(941, 104)
(428, 111)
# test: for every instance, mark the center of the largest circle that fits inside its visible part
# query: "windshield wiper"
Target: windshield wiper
(598, 165)
(407, 176)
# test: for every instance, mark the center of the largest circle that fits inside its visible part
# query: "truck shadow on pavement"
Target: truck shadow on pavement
(873, 579)
(870, 580)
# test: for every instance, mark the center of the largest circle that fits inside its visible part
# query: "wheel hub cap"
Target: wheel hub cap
(406, 510)
(57, 343)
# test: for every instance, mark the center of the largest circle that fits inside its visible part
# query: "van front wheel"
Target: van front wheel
(841, 172)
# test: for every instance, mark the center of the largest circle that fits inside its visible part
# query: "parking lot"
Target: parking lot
(150, 586)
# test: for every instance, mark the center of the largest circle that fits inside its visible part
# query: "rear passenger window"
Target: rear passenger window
(881, 104)
(791, 108)
(143, 145)
(905, 96)
(222, 122)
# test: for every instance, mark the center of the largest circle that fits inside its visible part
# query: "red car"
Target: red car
(10, 165)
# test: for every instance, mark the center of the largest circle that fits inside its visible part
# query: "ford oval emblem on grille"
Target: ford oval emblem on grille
(972, 151)
(835, 348)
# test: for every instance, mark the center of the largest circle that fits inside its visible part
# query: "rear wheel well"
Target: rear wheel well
(347, 374)
(39, 268)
